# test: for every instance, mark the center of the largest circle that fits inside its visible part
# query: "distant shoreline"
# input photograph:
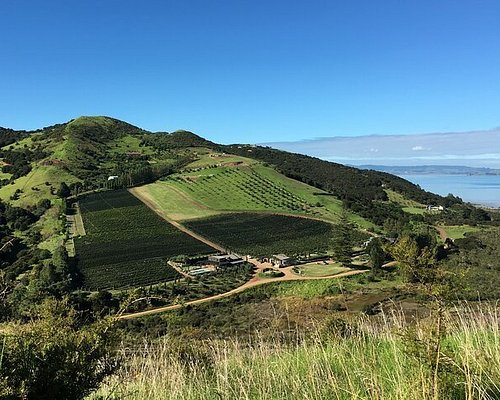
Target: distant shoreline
(432, 170)
(481, 190)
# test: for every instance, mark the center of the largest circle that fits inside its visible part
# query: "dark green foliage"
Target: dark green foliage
(127, 273)
(53, 356)
(477, 265)
(127, 244)
(342, 240)
(64, 190)
(377, 255)
(264, 234)
(177, 139)
(18, 162)
(9, 136)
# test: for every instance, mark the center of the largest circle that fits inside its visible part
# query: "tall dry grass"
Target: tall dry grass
(387, 359)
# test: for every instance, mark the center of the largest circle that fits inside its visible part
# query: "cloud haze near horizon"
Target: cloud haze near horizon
(474, 149)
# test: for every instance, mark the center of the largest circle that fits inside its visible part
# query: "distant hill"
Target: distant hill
(431, 170)
(88, 153)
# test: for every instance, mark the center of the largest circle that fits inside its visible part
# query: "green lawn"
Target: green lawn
(459, 231)
(318, 270)
(174, 204)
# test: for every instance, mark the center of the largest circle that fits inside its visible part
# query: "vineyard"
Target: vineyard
(127, 244)
(264, 234)
(242, 188)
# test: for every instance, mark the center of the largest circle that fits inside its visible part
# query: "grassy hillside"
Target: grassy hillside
(342, 360)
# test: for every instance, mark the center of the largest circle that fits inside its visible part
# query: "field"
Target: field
(127, 244)
(459, 231)
(264, 234)
(409, 206)
(34, 187)
(321, 269)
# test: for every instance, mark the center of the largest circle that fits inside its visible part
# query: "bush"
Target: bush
(53, 357)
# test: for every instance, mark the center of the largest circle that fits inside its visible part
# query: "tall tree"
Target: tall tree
(377, 255)
(342, 238)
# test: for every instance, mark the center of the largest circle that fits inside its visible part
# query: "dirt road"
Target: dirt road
(255, 281)
(442, 232)
(146, 199)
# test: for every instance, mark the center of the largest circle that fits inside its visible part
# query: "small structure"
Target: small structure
(199, 271)
(282, 260)
(225, 260)
(112, 177)
(434, 208)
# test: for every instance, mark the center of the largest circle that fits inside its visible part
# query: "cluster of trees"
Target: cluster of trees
(49, 350)
(9, 136)
(18, 162)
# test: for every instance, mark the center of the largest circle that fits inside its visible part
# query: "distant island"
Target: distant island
(431, 169)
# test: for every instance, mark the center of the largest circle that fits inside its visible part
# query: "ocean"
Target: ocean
(477, 189)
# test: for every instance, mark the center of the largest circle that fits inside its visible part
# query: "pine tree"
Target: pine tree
(342, 240)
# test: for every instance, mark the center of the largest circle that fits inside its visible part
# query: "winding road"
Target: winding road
(254, 281)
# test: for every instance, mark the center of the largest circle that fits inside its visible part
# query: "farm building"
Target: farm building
(282, 260)
(224, 260)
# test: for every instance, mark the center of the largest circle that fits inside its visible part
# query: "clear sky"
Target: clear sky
(253, 71)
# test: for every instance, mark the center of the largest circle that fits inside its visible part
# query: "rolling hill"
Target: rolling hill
(84, 152)
(184, 177)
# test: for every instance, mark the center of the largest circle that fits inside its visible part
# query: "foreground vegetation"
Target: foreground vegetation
(357, 360)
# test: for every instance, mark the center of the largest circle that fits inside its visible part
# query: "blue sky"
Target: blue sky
(254, 71)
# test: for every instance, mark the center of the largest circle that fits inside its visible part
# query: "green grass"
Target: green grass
(4, 175)
(173, 203)
(127, 144)
(317, 270)
(459, 231)
(408, 205)
(51, 227)
(414, 210)
(34, 187)
(210, 158)
(362, 360)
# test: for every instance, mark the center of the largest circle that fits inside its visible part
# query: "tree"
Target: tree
(416, 263)
(342, 240)
(377, 255)
(53, 357)
(63, 191)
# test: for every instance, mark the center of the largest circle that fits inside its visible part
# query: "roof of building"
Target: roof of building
(281, 257)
